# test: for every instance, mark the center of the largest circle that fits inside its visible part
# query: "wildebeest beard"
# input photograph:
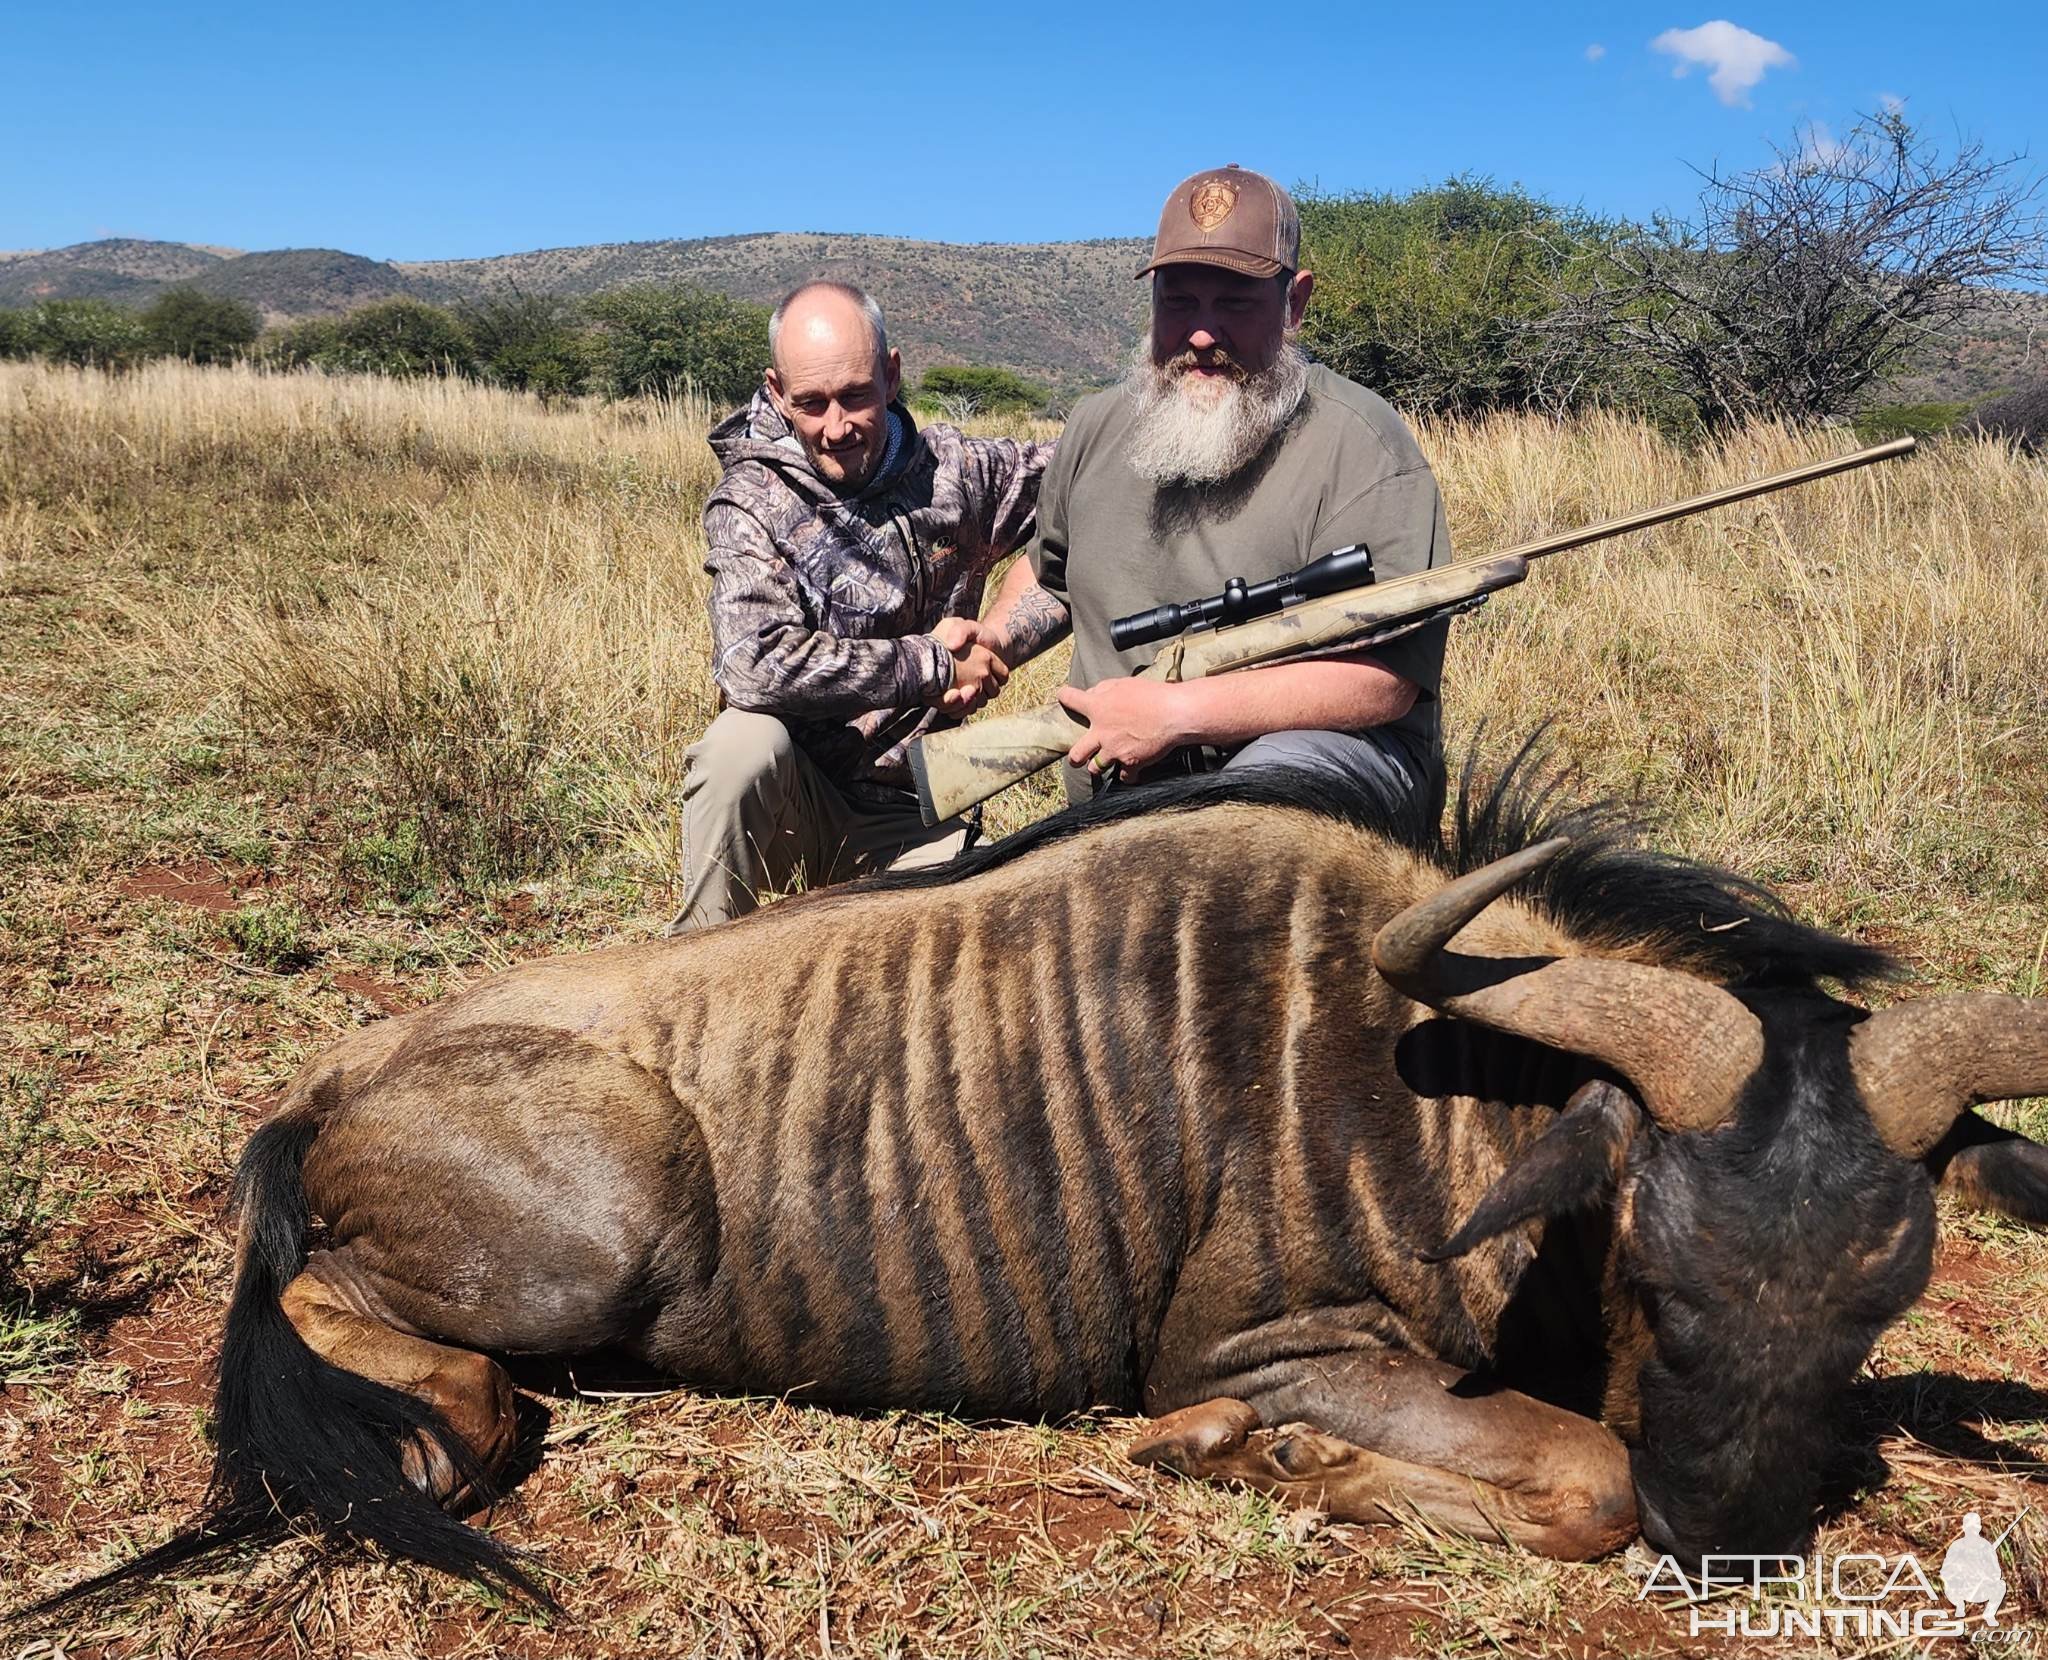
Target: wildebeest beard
(1176, 439)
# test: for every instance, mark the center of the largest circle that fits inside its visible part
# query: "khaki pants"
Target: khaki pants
(759, 817)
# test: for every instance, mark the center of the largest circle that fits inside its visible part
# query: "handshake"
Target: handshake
(978, 672)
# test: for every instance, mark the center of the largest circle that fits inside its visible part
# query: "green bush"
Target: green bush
(274, 935)
(534, 342)
(314, 343)
(1907, 420)
(968, 389)
(394, 865)
(87, 334)
(1438, 300)
(200, 327)
(14, 335)
(400, 337)
(656, 342)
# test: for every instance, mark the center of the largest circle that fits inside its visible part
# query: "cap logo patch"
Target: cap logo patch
(1211, 203)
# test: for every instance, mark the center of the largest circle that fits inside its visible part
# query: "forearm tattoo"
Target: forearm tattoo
(1036, 621)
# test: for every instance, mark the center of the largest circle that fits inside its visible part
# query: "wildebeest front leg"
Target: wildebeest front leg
(1370, 1438)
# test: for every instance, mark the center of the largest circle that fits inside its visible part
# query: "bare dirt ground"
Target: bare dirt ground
(189, 909)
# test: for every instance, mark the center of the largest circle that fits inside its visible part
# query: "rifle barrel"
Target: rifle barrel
(1567, 539)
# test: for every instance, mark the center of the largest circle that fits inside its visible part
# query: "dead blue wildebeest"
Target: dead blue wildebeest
(1530, 1182)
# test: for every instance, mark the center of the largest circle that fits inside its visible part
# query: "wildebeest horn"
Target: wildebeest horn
(1685, 1044)
(1920, 1065)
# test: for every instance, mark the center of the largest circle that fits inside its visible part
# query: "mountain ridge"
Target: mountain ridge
(1060, 312)
(1065, 313)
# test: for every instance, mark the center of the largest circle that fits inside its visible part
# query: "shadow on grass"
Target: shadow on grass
(84, 1301)
(1943, 1413)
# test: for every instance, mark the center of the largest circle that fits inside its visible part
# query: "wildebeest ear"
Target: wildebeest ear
(1992, 1169)
(1572, 1164)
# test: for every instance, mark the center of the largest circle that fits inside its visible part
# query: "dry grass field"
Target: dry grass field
(319, 699)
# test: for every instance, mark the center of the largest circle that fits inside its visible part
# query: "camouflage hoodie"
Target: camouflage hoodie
(822, 604)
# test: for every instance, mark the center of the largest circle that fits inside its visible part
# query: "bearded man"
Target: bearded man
(1225, 453)
(848, 551)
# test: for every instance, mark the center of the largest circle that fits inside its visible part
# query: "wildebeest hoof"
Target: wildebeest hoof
(1191, 1441)
(474, 1399)
(1297, 1450)
(428, 1467)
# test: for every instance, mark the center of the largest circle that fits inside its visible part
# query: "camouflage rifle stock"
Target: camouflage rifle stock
(958, 767)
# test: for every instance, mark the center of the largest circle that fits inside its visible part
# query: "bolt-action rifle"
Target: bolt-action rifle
(1332, 601)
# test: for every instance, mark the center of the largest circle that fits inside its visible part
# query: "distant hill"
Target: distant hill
(1064, 312)
(1060, 312)
(303, 282)
(2004, 349)
(120, 269)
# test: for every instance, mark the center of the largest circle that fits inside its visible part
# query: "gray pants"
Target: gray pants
(1381, 764)
(759, 817)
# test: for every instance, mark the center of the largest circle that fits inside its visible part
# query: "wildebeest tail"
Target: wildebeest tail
(298, 1440)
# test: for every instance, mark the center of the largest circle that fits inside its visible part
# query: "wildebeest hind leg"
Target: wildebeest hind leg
(470, 1391)
(1491, 1463)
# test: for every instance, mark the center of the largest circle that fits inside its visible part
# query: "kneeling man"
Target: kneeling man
(848, 554)
(1226, 453)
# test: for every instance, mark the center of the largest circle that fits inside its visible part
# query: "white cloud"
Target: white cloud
(1595, 52)
(1737, 58)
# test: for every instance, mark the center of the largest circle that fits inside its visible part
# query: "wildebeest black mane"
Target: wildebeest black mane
(1607, 888)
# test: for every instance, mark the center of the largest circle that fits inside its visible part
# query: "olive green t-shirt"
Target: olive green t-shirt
(1345, 470)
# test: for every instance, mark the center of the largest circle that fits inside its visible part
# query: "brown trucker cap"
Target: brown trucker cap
(1232, 217)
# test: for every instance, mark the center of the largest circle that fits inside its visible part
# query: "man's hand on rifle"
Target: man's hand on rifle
(978, 673)
(1136, 721)
(1131, 722)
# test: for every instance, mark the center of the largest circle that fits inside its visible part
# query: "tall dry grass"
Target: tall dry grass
(1824, 683)
(504, 607)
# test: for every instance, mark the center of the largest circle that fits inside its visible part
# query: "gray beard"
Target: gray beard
(1182, 440)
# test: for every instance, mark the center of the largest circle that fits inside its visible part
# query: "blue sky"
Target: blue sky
(439, 131)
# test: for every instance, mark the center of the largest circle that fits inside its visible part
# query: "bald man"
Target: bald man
(848, 553)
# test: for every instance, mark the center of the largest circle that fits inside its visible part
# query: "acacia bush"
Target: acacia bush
(1907, 420)
(634, 342)
(531, 342)
(200, 327)
(966, 389)
(311, 343)
(1797, 287)
(1435, 299)
(86, 334)
(660, 341)
(401, 337)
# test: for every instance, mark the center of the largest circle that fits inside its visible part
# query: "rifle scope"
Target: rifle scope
(1241, 601)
